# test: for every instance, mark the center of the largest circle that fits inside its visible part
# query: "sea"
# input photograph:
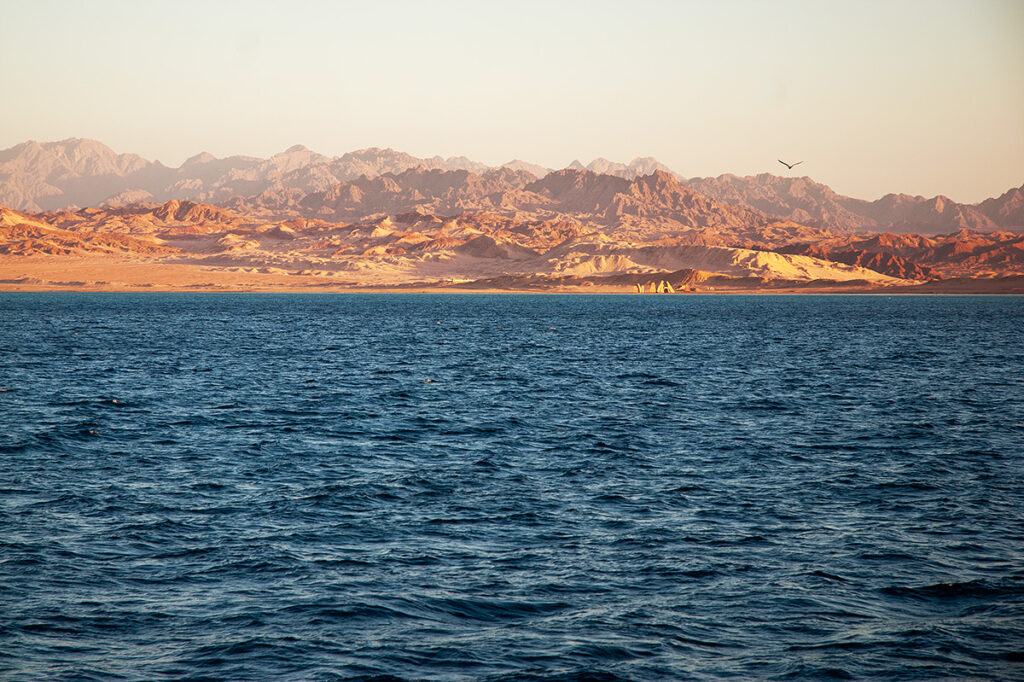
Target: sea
(213, 486)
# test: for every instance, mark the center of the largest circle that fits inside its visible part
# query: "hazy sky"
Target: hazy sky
(875, 97)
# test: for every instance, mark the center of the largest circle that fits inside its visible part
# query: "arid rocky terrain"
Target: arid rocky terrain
(77, 215)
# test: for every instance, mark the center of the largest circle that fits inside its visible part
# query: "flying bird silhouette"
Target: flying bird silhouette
(790, 165)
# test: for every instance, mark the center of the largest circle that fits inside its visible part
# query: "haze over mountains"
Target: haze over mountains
(79, 172)
(378, 217)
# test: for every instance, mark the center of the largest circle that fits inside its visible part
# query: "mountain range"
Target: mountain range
(378, 217)
(80, 172)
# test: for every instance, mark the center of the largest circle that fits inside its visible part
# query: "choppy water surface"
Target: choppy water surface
(508, 487)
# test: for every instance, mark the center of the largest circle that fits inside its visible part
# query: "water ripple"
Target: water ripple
(386, 487)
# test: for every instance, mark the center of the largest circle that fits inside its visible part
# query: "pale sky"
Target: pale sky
(922, 97)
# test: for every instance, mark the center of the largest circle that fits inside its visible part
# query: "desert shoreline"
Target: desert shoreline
(104, 274)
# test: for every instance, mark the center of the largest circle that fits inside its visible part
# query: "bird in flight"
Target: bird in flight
(790, 165)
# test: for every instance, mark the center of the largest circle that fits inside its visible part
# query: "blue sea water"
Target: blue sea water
(540, 487)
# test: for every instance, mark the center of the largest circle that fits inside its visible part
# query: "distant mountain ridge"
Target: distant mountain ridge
(1006, 210)
(642, 208)
(79, 172)
(803, 200)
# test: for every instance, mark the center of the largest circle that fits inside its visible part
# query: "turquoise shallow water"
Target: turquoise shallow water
(214, 486)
